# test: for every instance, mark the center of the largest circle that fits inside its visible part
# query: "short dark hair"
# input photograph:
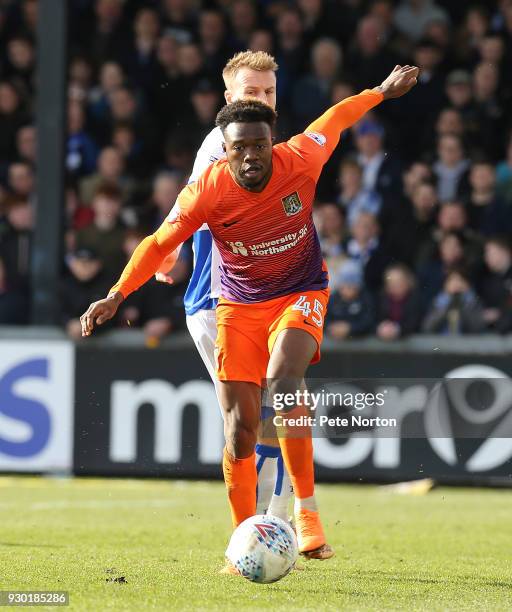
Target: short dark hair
(459, 270)
(458, 235)
(246, 111)
(452, 203)
(501, 242)
(108, 191)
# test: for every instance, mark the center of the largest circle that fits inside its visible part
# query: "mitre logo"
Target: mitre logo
(292, 204)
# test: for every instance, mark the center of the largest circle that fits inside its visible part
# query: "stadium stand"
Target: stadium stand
(418, 195)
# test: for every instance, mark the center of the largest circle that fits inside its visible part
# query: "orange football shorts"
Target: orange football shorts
(246, 333)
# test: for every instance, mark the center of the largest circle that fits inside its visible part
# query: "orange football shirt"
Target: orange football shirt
(267, 241)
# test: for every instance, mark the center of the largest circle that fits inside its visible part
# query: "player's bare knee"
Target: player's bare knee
(241, 440)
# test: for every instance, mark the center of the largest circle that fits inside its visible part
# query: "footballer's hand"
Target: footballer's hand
(99, 312)
(163, 277)
(401, 80)
(163, 274)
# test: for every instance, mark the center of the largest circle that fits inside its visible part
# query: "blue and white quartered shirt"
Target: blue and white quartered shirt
(203, 288)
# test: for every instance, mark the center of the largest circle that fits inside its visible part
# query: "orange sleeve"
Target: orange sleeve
(187, 215)
(321, 137)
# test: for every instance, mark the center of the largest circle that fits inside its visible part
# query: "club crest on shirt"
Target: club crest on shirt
(292, 204)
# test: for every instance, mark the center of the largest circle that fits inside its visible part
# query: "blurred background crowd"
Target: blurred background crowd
(414, 210)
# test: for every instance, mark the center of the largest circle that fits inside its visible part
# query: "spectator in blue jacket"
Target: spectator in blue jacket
(351, 311)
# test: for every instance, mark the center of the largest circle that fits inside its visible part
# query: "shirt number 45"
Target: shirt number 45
(316, 314)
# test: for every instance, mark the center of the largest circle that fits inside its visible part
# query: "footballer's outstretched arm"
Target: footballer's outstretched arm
(347, 112)
(146, 259)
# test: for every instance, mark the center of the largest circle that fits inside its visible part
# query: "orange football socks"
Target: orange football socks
(240, 477)
(297, 449)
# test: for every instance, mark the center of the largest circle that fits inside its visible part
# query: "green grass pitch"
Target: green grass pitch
(448, 550)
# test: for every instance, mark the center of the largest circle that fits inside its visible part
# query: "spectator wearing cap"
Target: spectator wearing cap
(413, 16)
(459, 91)
(487, 212)
(105, 234)
(351, 310)
(451, 168)
(456, 309)
(399, 311)
(365, 247)
(495, 285)
(381, 171)
(353, 197)
(84, 283)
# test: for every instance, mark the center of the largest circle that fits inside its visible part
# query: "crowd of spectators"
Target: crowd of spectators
(414, 209)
